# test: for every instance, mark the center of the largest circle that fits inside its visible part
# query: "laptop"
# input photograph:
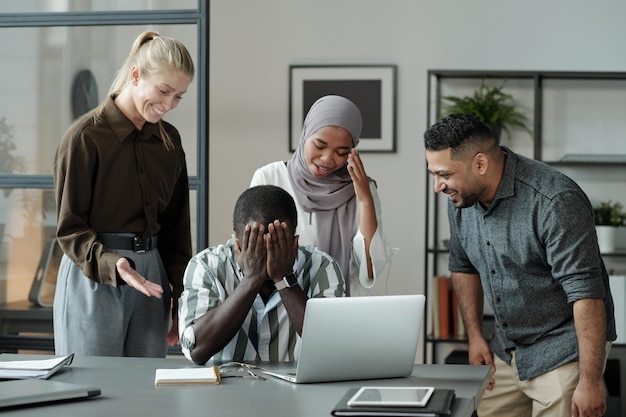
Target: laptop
(19, 392)
(352, 338)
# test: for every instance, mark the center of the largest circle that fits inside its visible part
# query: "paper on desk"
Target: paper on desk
(186, 376)
(38, 368)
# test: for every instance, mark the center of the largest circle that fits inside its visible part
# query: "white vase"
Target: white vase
(606, 238)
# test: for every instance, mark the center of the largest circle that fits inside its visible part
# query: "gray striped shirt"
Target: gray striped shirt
(266, 334)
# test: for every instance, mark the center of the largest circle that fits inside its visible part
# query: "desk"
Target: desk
(128, 389)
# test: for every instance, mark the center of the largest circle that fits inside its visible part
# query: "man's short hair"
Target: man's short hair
(462, 133)
(264, 204)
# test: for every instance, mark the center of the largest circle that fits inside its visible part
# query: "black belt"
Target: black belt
(134, 243)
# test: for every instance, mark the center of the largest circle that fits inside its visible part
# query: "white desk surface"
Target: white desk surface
(127, 386)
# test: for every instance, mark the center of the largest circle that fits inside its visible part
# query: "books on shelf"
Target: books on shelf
(446, 315)
(33, 369)
(187, 376)
(445, 307)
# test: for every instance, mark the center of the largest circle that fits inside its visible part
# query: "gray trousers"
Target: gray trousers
(92, 319)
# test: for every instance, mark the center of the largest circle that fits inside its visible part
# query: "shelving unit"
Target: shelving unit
(533, 85)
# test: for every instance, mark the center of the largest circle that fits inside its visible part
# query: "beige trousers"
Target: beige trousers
(548, 395)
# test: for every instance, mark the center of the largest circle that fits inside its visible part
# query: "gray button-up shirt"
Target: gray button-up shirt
(536, 252)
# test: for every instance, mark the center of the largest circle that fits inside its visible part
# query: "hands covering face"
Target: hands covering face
(266, 252)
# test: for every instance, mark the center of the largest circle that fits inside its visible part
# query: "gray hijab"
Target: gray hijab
(332, 197)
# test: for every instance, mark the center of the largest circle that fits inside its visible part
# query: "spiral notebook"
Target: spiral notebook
(33, 368)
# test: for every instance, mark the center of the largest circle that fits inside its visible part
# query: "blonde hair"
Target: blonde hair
(151, 53)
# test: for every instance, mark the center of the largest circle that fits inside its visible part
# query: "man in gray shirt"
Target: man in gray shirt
(522, 237)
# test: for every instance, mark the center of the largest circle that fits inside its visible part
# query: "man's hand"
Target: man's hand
(251, 251)
(137, 281)
(282, 249)
(589, 400)
(480, 354)
(173, 338)
(215, 328)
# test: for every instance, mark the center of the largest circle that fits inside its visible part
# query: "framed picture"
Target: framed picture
(371, 87)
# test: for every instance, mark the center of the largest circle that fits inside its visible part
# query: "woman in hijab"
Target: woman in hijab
(338, 205)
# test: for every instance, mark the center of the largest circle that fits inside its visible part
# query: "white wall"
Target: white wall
(252, 44)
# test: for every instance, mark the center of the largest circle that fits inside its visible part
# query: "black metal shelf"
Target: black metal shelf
(586, 164)
(562, 75)
(433, 339)
(438, 250)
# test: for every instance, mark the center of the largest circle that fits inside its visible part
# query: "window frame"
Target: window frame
(199, 17)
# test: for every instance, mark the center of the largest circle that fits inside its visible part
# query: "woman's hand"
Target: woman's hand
(137, 281)
(368, 223)
(359, 177)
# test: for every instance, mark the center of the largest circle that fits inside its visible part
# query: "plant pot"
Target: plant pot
(606, 238)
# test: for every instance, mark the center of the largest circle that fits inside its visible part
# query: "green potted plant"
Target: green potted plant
(609, 213)
(492, 106)
(608, 216)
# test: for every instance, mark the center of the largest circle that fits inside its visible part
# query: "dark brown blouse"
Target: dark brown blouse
(110, 177)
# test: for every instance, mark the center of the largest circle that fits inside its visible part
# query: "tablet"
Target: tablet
(391, 396)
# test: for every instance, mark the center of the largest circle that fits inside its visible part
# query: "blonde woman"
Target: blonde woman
(122, 199)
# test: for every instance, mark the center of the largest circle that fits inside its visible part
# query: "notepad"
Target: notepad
(33, 369)
(187, 376)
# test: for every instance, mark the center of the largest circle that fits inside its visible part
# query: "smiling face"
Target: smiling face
(153, 95)
(327, 150)
(456, 178)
